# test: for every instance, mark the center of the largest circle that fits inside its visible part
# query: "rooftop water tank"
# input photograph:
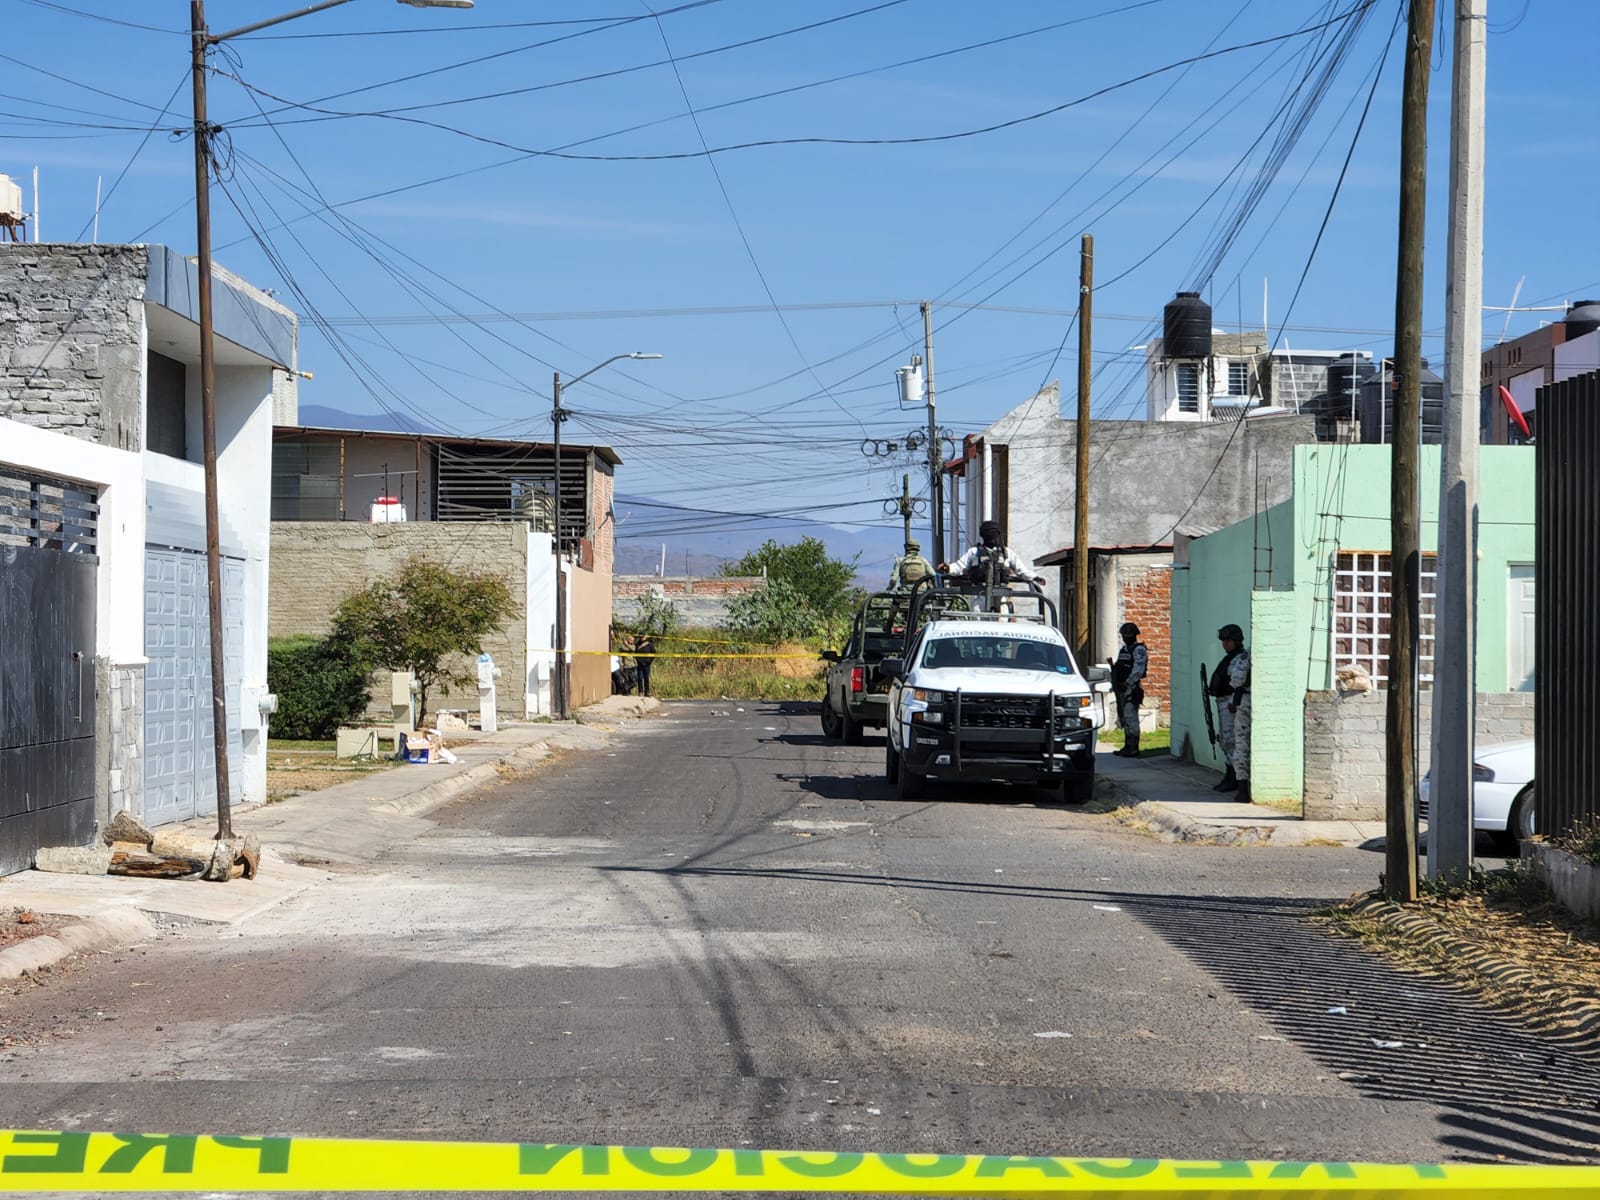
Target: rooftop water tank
(1582, 317)
(1186, 327)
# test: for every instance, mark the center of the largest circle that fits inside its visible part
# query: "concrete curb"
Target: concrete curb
(1174, 826)
(108, 931)
(434, 795)
(1580, 1014)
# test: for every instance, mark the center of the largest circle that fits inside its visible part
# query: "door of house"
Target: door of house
(1520, 662)
(48, 569)
(180, 774)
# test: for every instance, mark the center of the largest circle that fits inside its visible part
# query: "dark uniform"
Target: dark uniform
(1127, 677)
(1230, 686)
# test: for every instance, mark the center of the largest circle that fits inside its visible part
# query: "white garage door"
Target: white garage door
(180, 779)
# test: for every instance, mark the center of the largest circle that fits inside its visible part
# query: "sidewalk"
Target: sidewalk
(301, 839)
(1174, 798)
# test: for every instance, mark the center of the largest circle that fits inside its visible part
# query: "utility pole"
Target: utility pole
(558, 676)
(1455, 685)
(1080, 534)
(906, 505)
(1400, 798)
(199, 43)
(935, 446)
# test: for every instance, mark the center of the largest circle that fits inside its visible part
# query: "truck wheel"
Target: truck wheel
(830, 721)
(1078, 789)
(891, 764)
(850, 728)
(910, 785)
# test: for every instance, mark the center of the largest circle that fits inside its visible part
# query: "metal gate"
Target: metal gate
(48, 567)
(180, 772)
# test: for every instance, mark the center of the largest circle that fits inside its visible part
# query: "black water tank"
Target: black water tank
(1186, 327)
(1344, 371)
(1582, 317)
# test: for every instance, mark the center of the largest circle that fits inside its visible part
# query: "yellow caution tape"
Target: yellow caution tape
(141, 1162)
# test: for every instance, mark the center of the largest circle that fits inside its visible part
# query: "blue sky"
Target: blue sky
(768, 275)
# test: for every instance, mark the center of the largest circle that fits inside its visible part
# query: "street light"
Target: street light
(560, 679)
(201, 40)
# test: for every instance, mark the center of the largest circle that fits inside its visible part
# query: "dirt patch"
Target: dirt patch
(18, 925)
(292, 772)
(809, 667)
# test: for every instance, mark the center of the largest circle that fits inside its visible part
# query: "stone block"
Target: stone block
(125, 827)
(73, 860)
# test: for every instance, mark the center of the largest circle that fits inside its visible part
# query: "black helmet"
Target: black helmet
(1130, 627)
(1231, 633)
(989, 527)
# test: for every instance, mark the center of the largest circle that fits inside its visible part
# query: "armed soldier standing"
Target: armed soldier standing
(1127, 675)
(909, 568)
(991, 545)
(1230, 686)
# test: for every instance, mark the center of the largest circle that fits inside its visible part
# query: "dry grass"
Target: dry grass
(1502, 920)
(297, 767)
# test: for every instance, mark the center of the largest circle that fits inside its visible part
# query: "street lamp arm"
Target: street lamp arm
(213, 38)
(614, 358)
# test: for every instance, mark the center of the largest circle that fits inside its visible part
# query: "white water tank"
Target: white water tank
(10, 199)
(388, 510)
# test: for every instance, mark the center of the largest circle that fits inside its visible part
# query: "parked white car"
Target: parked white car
(1502, 790)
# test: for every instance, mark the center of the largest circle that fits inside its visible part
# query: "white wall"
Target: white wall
(1577, 357)
(540, 604)
(119, 625)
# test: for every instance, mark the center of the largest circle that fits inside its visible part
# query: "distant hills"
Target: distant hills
(693, 552)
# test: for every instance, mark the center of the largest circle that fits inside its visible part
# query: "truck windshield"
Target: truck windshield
(1026, 654)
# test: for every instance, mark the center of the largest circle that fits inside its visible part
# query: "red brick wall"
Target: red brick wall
(605, 528)
(1147, 602)
(632, 586)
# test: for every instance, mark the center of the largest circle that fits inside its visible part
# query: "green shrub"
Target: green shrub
(318, 686)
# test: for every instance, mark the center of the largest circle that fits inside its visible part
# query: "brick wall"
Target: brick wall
(605, 526)
(71, 326)
(1344, 746)
(316, 564)
(1147, 602)
(701, 603)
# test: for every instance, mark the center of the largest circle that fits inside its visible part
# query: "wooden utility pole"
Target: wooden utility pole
(1400, 798)
(935, 446)
(1080, 534)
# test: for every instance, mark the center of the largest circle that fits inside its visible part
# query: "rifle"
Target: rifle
(1205, 700)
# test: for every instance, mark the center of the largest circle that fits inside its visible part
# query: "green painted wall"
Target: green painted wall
(1340, 501)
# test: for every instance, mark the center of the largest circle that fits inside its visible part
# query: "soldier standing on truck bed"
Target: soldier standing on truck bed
(1007, 565)
(909, 568)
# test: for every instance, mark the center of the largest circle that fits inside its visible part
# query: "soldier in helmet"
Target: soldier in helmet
(1230, 687)
(910, 567)
(1127, 676)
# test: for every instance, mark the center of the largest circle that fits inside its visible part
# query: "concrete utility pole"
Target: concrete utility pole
(1080, 534)
(935, 446)
(906, 507)
(559, 675)
(1400, 797)
(1455, 686)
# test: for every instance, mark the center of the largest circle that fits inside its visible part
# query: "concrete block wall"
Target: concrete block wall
(71, 339)
(701, 603)
(119, 734)
(316, 564)
(1344, 746)
(1147, 602)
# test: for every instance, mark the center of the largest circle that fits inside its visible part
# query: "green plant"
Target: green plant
(1583, 840)
(823, 584)
(778, 612)
(319, 686)
(425, 619)
(656, 616)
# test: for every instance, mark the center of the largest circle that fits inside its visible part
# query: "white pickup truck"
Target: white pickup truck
(989, 700)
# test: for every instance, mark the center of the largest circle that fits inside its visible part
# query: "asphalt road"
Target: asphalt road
(727, 932)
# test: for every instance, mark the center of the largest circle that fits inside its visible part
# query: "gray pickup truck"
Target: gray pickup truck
(857, 695)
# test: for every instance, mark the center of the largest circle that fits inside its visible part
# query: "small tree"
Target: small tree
(656, 616)
(775, 613)
(824, 584)
(424, 620)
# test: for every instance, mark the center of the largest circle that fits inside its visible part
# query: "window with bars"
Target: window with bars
(1189, 387)
(1238, 377)
(1362, 591)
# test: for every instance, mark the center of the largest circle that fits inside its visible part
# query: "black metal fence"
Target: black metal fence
(1567, 631)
